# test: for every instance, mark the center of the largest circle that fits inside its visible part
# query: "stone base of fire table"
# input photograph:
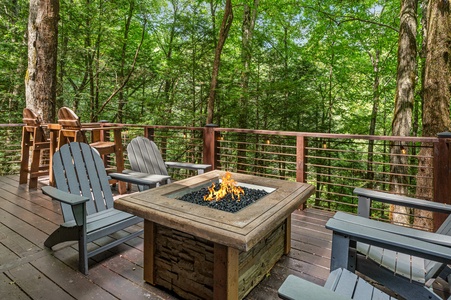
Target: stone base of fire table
(193, 267)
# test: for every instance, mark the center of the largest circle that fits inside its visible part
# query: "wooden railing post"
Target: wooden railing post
(210, 154)
(149, 133)
(301, 143)
(442, 174)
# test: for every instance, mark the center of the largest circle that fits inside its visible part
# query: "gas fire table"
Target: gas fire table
(204, 253)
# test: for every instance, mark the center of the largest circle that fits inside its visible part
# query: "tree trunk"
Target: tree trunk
(169, 80)
(223, 33)
(375, 62)
(249, 17)
(404, 100)
(89, 60)
(40, 80)
(95, 69)
(247, 29)
(436, 92)
(121, 100)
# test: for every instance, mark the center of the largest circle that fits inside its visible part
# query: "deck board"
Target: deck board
(29, 270)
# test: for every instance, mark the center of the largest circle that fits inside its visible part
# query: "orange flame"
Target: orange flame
(228, 186)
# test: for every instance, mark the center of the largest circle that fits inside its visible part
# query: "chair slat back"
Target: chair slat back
(79, 170)
(432, 267)
(33, 124)
(70, 127)
(445, 228)
(144, 156)
(68, 119)
(30, 118)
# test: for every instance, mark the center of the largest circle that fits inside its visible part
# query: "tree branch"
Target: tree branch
(128, 76)
(336, 19)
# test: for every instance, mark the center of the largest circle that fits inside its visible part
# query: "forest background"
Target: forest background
(359, 67)
(318, 66)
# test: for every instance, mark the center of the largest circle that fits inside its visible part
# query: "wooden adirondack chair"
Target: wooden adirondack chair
(83, 189)
(410, 263)
(340, 285)
(73, 131)
(145, 158)
(33, 137)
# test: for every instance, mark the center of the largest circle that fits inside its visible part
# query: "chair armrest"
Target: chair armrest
(77, 203)
(139, 178)
(388, 240)
(401, 200)
(295, 288)
(101, 128)
(64, 197)
(431, 237)
(190, 166)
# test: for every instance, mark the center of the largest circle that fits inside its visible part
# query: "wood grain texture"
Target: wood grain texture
(118, 272)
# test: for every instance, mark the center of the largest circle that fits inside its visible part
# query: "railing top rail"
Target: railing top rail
(331, 135)
(167, 127)
(279, 132)
(124, 125)
(12, 125)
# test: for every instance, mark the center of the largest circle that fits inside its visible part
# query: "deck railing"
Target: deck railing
(334, 163)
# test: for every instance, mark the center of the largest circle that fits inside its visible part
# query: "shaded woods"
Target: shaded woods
(333, 67)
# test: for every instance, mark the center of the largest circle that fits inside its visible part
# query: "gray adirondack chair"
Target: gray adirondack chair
(340, 285)
(410, 263)
(145, 159)
(82, 187)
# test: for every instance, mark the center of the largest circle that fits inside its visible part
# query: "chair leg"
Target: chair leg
(23, 177)
(119, 153)
(343, 255)
(83, 251)
(60, 235)
(34, 168)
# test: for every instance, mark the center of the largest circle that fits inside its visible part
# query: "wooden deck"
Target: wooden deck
(30, 271)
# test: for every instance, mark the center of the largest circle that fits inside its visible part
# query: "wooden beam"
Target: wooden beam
(442, 175)
(225, 272)
(210, 154)
(287, 235)
(149, 251)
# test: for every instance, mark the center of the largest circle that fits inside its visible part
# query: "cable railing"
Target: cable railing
(10, 139)
(335, 164)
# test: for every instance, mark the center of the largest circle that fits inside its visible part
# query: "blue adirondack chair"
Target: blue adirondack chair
(82, 187)
(405, 260)
(146, 162)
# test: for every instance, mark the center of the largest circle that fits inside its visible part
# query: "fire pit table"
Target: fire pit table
(204, 253)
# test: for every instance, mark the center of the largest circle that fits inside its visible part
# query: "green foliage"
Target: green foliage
(13, 59)
(311, 63)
